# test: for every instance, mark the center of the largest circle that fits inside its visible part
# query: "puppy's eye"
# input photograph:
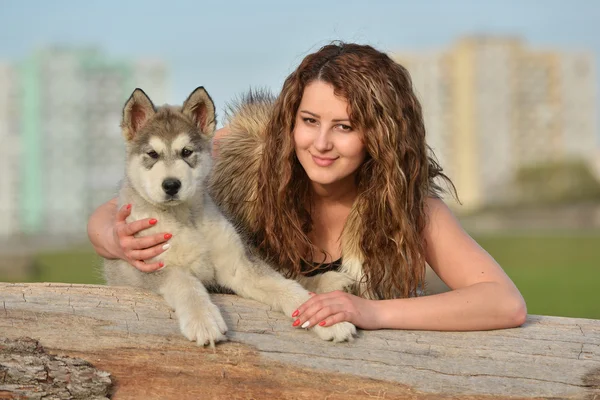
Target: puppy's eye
(152, 154)
(186, 153)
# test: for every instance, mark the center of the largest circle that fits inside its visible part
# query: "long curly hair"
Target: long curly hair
(393, 183)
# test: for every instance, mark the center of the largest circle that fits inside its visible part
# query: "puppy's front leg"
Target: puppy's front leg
(256, 280)
(252, 278)
(199, 318)
(329, 281)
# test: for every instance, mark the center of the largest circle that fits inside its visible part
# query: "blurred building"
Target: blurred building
(71, 153)
(492, 106)
(9, 151)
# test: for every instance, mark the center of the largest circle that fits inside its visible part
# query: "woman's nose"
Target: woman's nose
(323, 140)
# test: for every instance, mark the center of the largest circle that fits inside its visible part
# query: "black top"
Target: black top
(312, 269)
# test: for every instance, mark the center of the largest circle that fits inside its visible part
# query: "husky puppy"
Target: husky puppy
(168, 160)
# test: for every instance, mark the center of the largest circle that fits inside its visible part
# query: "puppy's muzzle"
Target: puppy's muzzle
(171, 186)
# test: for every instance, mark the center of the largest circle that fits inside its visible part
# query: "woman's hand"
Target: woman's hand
(135, 250)
(330, 308)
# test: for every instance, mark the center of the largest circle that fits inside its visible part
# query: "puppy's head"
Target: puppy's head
(168, 153)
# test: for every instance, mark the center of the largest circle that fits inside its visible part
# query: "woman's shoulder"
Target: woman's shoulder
(439, 216)
(434, 204)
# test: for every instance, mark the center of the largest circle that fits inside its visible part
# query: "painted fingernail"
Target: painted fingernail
(161, 265)
(295, 314)
(166, 246)
(305, 325)
(129, 206)
(168, 236)
(153, 221)
(296, 322)
(322, 323)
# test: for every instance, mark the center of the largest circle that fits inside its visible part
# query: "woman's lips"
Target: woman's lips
(323, 161)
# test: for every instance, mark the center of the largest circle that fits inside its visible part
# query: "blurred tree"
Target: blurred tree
(556, 183)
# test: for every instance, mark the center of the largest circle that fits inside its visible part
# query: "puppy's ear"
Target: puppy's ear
(136, 113)
(201, 109)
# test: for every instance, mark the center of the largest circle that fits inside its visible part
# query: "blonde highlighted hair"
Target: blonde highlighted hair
(393, 183)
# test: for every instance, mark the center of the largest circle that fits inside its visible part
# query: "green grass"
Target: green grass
(558, 274)
(76, 266)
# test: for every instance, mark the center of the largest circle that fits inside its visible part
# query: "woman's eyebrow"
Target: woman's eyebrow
(346, 119)
(311, 113)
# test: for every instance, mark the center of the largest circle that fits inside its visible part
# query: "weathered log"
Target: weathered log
(27, 371)
(134, 336)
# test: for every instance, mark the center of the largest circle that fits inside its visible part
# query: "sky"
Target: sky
(230, 46)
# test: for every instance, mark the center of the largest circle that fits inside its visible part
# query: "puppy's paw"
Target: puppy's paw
(205, 327)
(340, 332)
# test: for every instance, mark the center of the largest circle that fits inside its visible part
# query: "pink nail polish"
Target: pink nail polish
(322, 323)
(295, 314)
(296, 322)
(153, 221)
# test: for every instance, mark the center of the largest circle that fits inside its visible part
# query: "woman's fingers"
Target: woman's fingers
(317, 298)
(323, 314)
(334, 319)
(146, 247)
(138, 249)
(326, 307)
(130, 229)
(123, 213)
(147, 254)
(146, 242)
(147, 267)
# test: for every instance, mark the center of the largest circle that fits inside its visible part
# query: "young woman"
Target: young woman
(335, 180)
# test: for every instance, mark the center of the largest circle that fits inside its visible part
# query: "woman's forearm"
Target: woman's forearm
(482, 306)
(100, 227)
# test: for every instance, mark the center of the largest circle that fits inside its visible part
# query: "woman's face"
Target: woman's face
(328, 147)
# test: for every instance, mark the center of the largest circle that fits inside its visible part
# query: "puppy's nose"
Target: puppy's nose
(171, 186)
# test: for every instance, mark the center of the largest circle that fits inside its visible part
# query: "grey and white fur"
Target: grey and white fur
(168, 160)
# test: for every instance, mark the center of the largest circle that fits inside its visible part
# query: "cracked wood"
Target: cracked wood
(133, 335)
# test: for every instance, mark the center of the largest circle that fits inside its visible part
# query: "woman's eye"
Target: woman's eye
(186, 153)
(152, 154)
(310, 121)
(345, 128)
